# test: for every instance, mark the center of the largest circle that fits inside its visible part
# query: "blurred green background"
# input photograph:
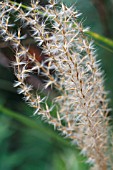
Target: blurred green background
(27, 143)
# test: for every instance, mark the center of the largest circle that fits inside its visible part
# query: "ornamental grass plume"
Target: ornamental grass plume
(71, 68)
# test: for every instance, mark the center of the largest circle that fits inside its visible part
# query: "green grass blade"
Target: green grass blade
(32, 124)
(101, 38)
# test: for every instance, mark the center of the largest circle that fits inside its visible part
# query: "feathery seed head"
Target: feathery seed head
(77, 74)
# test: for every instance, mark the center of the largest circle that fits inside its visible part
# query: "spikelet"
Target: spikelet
(82, 101)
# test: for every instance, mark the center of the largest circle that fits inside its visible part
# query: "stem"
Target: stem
(25, 7)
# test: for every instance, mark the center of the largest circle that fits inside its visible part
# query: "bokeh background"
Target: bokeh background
(27, 143)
